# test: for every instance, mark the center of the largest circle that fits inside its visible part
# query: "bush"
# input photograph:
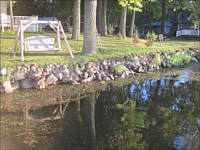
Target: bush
(149, 43)
(151, 36)
(178, 58)
(119, 68)
(136, 38)
(157, 60)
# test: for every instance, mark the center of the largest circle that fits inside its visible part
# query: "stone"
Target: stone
(105, 78)
(104, 63)
(15, 85)
(193, 59)
(88, 65)
(39, 83)
(75, 76)
(73, 82)
(66, 78)
(3, 71)
(58, 74)
(65, 71)
(85, 75)
(77, 70)
(34, 74)
(111, 77)
(6, 87)
(51, 79)
(86, 80)
(19, 75)
(26, 84)
(98, 76)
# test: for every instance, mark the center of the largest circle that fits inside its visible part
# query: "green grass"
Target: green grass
(112, 47)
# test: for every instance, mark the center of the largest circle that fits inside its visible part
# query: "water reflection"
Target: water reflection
(153, 114)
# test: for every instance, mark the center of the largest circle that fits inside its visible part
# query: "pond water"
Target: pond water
(156, 113)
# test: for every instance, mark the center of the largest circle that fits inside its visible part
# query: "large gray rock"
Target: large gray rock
(58, 74)
(26, 84)
(51, 79)
(19, 75)
(6, 87)
(39, 83)
(75, 76)
(66, 78)
(34, 74)
(15, 85)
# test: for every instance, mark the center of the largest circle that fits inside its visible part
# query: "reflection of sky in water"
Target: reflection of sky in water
(179, 142)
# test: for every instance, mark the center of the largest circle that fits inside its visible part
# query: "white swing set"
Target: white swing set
(39, 43)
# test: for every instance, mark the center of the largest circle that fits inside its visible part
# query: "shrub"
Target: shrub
(149, 43)
(136, 38)
(151, 36)
(178, 58)
(120, 68)
(157, 60)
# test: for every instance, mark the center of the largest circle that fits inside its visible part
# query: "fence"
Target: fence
(5, 22)
(187, 32)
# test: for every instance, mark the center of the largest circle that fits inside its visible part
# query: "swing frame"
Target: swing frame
(24, 42)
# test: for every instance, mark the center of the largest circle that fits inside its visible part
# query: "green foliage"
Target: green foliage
(157, 60)
(119, 68)
(178, 58)
(151, 36)
(135, 5)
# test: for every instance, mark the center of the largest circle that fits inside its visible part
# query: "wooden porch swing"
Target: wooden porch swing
(39, 43)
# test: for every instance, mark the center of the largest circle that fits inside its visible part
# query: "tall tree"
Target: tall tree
(89, 45)
(11, 15)
(76, 20)
(99, 14)
(122, 24)
(135, 5)
(104, 23)
(163, 17)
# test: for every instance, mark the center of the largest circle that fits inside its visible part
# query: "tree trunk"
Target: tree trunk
(99, 9)
(89, 45)
(149, 15)
(122, 25)
(11, 16)
(104, 23)
(76, 20)
(132, 25)
(88, 115)
(163, 18)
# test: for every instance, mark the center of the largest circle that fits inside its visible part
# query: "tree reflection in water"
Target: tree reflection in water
(152, 114)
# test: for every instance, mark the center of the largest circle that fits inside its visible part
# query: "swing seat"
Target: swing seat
(40, 44)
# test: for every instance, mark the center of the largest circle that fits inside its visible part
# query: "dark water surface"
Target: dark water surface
(156, 113)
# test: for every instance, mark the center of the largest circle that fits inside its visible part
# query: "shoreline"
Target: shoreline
(34, 77)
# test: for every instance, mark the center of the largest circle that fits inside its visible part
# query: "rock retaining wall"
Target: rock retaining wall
(31, 76)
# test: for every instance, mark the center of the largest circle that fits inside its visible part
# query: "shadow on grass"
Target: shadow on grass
(39, 54)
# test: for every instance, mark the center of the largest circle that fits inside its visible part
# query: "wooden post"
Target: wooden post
(70, 52)
(17, 37)
(160, 38)
(2, 23)
(21, 41)
(58, 37)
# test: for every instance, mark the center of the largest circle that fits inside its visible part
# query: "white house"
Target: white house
(5, 18)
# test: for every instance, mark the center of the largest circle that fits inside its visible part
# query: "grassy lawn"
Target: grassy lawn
(112, 47)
